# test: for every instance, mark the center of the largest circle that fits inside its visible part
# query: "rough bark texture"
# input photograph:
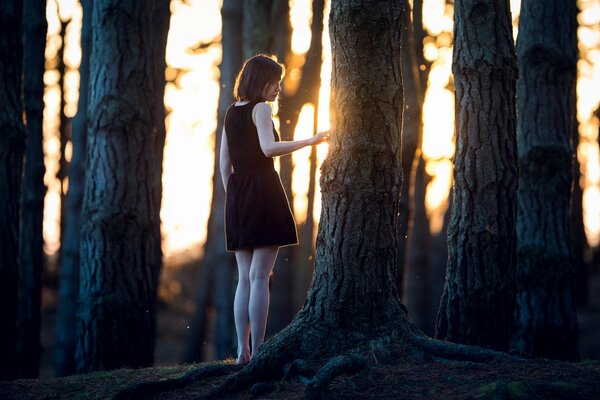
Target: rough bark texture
(547, 54)
(12, 148)
(478, 301)
(120, 248)
(66, 320)
(218, 265)
(32, 200)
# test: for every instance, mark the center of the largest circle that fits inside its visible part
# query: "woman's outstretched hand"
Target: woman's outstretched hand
(320, 138)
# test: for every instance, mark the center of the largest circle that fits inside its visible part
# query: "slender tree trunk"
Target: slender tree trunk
(12, 148)
(287, 267)
(579, 242)
(64, 129)
(66, 320)
(412, 132)
(419, 274)
(32, 200)
(120, 250)
(218, 264)
(477, 305)
(547, 53)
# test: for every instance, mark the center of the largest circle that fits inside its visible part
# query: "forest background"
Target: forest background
(191, 324)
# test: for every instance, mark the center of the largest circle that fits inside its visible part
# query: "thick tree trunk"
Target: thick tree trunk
(218, 265)
(353, 289)
(120, 250)
(478, 301)
(66, 320)
(32, 200)
(547, 51)
(12, 148)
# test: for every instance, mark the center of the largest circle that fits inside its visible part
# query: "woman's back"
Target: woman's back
(242, 138)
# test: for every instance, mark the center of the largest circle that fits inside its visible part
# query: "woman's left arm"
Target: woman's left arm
(224, 160)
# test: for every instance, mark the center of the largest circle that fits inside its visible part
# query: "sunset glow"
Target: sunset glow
(192, 95)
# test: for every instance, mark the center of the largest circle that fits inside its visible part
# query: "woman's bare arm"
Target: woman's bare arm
(261, 116)
(224, 160)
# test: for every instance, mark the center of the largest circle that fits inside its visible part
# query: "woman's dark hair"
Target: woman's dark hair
(256, 73)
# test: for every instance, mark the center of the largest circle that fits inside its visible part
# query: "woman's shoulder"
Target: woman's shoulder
(262, 108)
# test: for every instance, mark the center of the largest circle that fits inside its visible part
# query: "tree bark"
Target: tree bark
(218, 265)
(33, 192)
(353, 288)
(120, 248)
(547, 54)
(12, 148)
(478, 301)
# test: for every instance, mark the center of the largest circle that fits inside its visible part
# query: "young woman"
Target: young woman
(258, 219)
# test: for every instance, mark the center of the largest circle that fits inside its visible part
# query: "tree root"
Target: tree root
(337, 366)
(292, 355)
(457, 352)
(139, 390)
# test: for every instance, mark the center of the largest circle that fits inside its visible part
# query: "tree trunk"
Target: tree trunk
(12, 148)
(217, 263)
(286, 268)
(32, 200)
(419, 274)
(477, 305)
(412, 132)
(547, 53)
(66, 320)
(353, 289)
(64, 127)
(120, 248)
(579, 243)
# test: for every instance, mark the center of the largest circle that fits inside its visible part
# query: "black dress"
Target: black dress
(257, 212)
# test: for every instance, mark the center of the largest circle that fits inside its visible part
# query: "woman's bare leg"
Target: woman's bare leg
(240, 305)
(263, 259)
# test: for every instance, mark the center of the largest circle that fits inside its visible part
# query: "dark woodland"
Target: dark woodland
(503, 302)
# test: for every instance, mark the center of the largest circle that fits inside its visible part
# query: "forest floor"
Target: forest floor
(408, 379)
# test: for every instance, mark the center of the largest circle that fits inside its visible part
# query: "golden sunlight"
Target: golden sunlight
(192, 93)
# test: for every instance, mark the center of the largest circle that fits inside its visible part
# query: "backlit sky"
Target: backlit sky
(192, 107)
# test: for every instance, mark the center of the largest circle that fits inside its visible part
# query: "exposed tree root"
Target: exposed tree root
(139, 390)
(314, 355)
(335, 367)
(457, 352)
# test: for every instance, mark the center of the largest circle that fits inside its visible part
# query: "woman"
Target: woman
(258, 219)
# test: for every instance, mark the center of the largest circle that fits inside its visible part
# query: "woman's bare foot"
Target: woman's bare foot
(243, 358)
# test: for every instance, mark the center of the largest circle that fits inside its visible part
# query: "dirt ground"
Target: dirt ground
(410, 379)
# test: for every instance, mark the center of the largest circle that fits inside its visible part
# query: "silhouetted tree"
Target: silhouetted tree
(120, 244)
(32, 201)
(12, 148)
(66, 319)
(477, 305)
(412, 133)
(215, 283)
(547, 54)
